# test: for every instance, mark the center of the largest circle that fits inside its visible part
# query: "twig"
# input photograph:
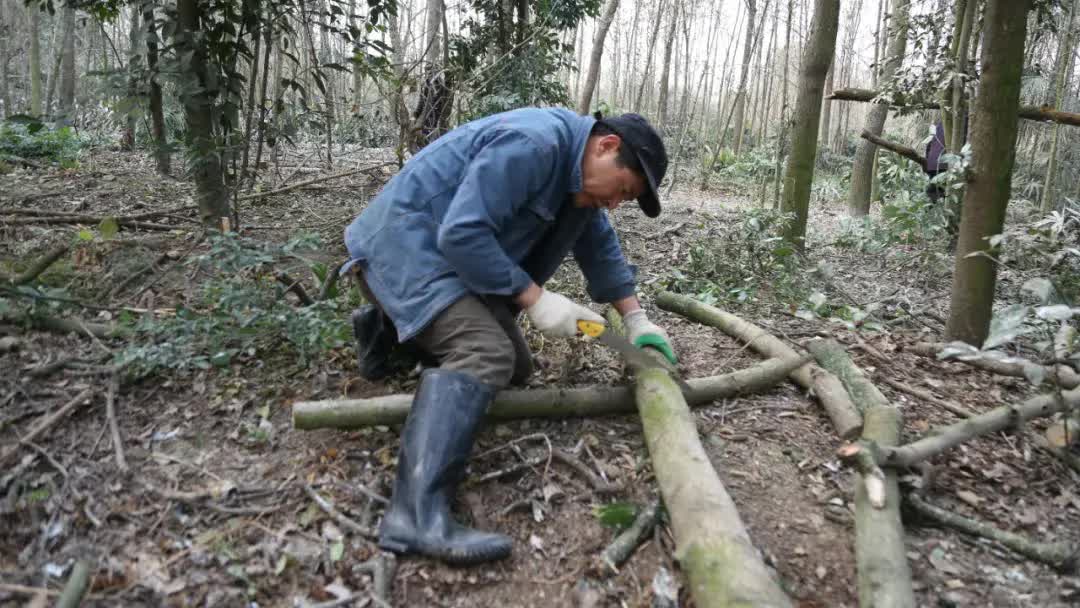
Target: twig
(336, 515)
(599, 485)
(295, 287)
(383, 567)
(925, 396)
(46, 424)
(624, 544)
(331, 280)
(76, 586)
(47, 369)
(114, 430)
(26, 590)
(1060, 556)
(316, 180)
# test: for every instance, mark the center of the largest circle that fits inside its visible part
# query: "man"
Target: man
(453, 247)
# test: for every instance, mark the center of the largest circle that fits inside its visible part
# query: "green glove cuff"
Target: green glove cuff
(659, 343)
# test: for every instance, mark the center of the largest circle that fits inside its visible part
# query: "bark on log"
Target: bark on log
(713, 548)
(553, 403)
(1061, 556)
(884, 577)
(831, 355)
(1038, 113)
(896, 148)
(1065, 376)
(997, 419)
(823, 384)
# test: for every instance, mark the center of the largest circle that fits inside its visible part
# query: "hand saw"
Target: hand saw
(636, 357)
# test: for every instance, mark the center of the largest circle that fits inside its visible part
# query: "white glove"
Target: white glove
(556, 315)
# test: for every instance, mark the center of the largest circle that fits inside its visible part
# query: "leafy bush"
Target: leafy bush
(25, 137)
(740, 264)
(241, 313)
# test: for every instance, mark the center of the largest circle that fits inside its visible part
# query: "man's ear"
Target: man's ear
(610, 143)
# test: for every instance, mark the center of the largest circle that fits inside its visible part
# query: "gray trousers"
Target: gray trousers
(477, 335)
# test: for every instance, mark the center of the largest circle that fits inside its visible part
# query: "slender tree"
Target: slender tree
(35, 59)
(799, 171)
(597, 54)
(740, 93)
(5, 90)
(862, 169)
(665, 70)
(1061, 77)
(67, 70)
(649, 55)
(993, 148)
(162, 156)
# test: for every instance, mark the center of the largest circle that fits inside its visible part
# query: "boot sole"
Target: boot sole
(451, 558)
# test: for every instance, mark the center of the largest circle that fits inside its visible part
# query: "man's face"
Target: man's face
(605, 183)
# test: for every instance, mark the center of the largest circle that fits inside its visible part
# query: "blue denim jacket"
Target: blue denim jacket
(485, 209)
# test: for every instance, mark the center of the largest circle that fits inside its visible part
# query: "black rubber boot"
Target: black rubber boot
(435, 445)
(376, 340)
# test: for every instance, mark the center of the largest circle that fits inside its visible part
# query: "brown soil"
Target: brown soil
(193, 435)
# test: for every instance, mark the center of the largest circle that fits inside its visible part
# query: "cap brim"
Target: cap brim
(649, 201)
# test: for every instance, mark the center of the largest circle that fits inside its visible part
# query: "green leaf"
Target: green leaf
(108, 228)
(85, 235)
(617, 515)
(282, 562)
(337, 550)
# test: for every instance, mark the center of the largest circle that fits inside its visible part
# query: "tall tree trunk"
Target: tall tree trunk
(631, 63)
(963, 66)
(597, 54)
(993, 142)
(781, 138)
(1061, 78)
(799, 172)
(157, 115)
(127, 137)
(862, 170)
(433, 108)
(5, 90)
(740, 93)
(198, 96)
(770, 76)
(665, 70)
(54, 72)
(826, 109)
(649, 56)
(960, 14)
(67, 70)
(35, 59)
(357, 72)
(253, 87)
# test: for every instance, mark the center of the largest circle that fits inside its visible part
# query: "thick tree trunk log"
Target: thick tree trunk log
(712, 545)
(553, 403)
(1063, 376)
(939, 440)
(832, 356)
(1060, 556)
(825, 386)
(884, 577)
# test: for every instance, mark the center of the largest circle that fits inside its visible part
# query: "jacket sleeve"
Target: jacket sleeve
(501, 178)
(606, 271)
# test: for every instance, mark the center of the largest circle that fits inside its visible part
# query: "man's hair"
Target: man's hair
(626, 157)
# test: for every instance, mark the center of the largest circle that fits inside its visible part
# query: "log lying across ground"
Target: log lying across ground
(552, 403)
(997, 419)
(825, 386)
(1061, 556)
(884, 577)
(1065, 376)
(713, 548)
(1038, 113)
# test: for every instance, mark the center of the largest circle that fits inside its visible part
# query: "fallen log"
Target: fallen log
(1061, 556)
(713, 548)
(939, 440)
(76, 586)
(823, 384)
(552, 403)
(40, 266)
(1066, 377)
(1037, 113)
(627, 542)
(832, 356)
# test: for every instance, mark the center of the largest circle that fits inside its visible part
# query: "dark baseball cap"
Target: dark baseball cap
(642, 138)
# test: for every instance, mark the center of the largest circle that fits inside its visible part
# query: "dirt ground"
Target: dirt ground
(207, 516)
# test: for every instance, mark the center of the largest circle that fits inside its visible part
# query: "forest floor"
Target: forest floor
(211, 514)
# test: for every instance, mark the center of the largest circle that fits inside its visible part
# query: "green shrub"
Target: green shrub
(241, 313)
(25, 137)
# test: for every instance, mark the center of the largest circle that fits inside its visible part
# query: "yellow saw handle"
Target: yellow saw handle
(591, 328)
